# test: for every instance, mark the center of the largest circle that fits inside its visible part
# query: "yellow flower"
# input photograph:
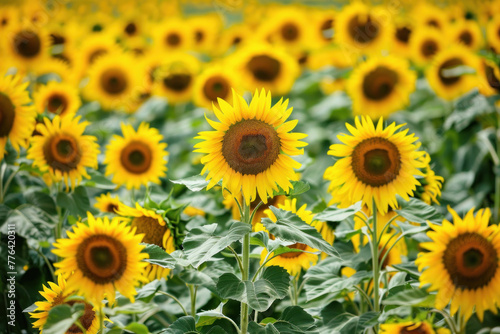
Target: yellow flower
(192, 211)
(173, 34)
(107, 203)
(63, 150)
(493, 33)
(408, 327)
(57, 98)
(462, 263)
(91, 49)
(429, 15)
(137, 158)
(374, 163)
(205, 29)
(401, 41)
(214, 83)
(467, 33)
(489, 77)
(56, 295)
(249, 148)
(425, 43)
(431, 184)
(381, 86)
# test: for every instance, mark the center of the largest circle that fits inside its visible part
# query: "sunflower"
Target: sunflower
(425, 43)
(489, 77)
(493, 34)
(55, 69)
(56, 295)
(296, 261)
(412, 327)
(57, 98)
(114, 83)
(17, 116)
(173, 34)
(401, 42)
(381, 86)
(429, 15)
(92, 48)
(107, 203)
(330, 57)
(233, 37)
(453, 72)
(431, 184)
(215, 82)
(374, 163)
(9, 15)
(323, 22)
(100, 257)
(137, 158)
(467, 33)
(192, 211)
(155, 230)
(263, 66)
(463, 263)
(363, 29)
(250, 146)
(63, 150)
(205, 29)
(174, 79)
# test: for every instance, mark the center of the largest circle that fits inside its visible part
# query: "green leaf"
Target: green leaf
(293, 320)
(158, 256)
(183, 325)
(417, 211)
(409, 268)
(202, 243)
(412, 297)
(467, 109)
(137, 328)
(31, 222)
(131, 308)
(334, 214)
(347, 323)
(42, 200)
(260, 294)
(61, 318)
(193, 183)
(99, 181)
(148, 290)
(298, 187)
(209, 317)
(76, 202)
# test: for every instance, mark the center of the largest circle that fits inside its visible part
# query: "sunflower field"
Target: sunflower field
(262, 167)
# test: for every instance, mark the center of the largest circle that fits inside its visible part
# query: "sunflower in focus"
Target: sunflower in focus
(412, 327)
(137, 158)
(293, 262)
(114, 83)
(263, 66)
(467, 33)
(155, 230)
(214, 83)
(375, 163)
(17, 116)
(493, 33)
(465, 256)
(172, 35)
(250, 147)
(107, 203)
(63, 150)
(381, 86)
(57, 98)
(489, 78)
(57, 294)
(425, 43)
(453, 72)
(101, 256)
(363, 29)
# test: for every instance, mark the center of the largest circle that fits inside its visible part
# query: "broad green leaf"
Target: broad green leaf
(334, 214)
(183, 325)
(137, 328)
(193, 183)
(62, 317)
(42, 200)
(466, 109)
(298, 187)
(409, 229)
(202, 243)
(260, 294)
(76, 202)
(417, 211)
(408, 297)
(31, 222)
(293, 320)
(130, 308)
(347, 323)
(99, 181)
(290, 227)
(198, 278)
(148, 290)
(158, 256)
(207, 318)
(409, 268)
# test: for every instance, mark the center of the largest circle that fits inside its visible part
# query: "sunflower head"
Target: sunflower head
(101, 256)
(214, 83)
(493, 33)
(465, 255)
(411, 327)
(425, 43)
(107, 203)
(249, 148)
(489, 77)
(57, 98)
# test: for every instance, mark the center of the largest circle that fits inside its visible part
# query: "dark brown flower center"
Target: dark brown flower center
(216, 87)
(429, 48)
(363, 30)
(57, 104)
(57, 39)
(466, 38)
(27, 43)
(491, 77)
(445, 78)
(86, 319)
(327, 29)
(403, 34)
(131, 29)
(177, 82)
(62, 152)
(290, 32)
(376, 161)
(111, 208)
(199, 36)
(152, 230)
(264, 67)
(96, 54)
(379, 83)
(102, 259)
(251, 146)
(7, 115)
(113, 81)
(136, 157)
(173, 39)
(471, 261)
(421, 329)
(292, 255)
(236, 40)
(433, 23)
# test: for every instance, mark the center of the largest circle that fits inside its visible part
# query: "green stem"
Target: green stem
(192, 293)
(237, 257)
(175, 299)
(246, 265)
(101, 319)
(295, 297)
(47, 262)
(365, 296)
(375, 261)
(448, 320)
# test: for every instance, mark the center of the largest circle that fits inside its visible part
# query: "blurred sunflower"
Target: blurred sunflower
(263, 66)
(233, 37)
(363, 28)
(467, 33)
(427, 14)
(54, 69)
(63, 150)
(430, 185)
(9, 15)
(100, 257)
(425, 43)
(489, 77)
(107, 203)
(493, 33)
(381, 86)
(215, 82)
(205, 29)
(56, 295)
(57, 98)
(374, 163)
(17, 116)
(153, 227)
(412, 327)
(91, 49)
(174, 79)
(250, 147)
(114, 83)
(452, 72)
(401, 41)
(293, 262)
(323, 22)
(465, 256)
(137, 158)
(172, 34)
